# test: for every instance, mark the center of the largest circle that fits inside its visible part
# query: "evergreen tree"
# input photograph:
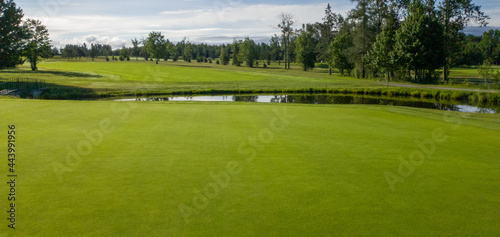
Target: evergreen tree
(93, 51)
(224, 55)
(329, 28)
(305, 50)
(12, 34)
(248, 52)
(188, 52)
(275, 49)
(454, 16)
(135, 49)
(363, 34)
(236, 52)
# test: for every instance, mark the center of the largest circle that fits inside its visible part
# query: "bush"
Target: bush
(217, 62)
(458, 95)
(322, 65)
(265, 65)
(121, 58)
(107, 59)
(128, 58)
(415, 94)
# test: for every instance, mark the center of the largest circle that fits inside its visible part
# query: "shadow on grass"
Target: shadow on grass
(200, 66)
(42, 90)
(57, 73)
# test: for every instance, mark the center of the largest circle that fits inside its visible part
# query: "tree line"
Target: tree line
(21, 40)
(416, 40)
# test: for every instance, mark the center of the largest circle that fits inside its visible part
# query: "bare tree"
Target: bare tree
(286, 32)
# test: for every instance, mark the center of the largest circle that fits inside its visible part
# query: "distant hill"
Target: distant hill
(478, 31)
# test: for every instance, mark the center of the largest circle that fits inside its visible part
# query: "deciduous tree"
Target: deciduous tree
(38, 44)
(155, 45)
(286, 26)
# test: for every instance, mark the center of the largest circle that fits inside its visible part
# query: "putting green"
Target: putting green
(239, 169)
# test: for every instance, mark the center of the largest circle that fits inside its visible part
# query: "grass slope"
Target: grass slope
(141, 75)
(322, 174)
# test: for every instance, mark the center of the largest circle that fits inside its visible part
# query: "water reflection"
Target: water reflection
(325, 99)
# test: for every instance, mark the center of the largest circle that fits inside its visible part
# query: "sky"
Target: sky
(116, 22)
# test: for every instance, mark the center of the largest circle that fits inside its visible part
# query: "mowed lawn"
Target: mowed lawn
(172, 76)
(239, 169)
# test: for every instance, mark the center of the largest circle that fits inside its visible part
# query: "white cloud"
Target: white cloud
(223, 21)
(115, 42)
(181, 12)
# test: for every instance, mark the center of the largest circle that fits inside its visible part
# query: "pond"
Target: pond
(325, 99)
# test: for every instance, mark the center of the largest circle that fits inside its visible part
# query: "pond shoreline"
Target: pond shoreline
(324, 99)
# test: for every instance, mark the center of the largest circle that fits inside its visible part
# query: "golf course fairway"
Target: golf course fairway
(107, 168)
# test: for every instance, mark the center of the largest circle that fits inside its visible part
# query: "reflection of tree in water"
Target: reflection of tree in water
(345, 99)
(486, 111)
(245, 98)
(446, 107)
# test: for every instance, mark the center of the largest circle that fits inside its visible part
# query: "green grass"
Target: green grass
(172, 76)
(70, 79)
(321, 175)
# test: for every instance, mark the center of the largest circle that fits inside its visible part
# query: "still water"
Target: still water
(324, 99)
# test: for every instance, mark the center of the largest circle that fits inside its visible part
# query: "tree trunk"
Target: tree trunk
(33, 62)
(445, 43)
(288, 52)
(445, 72)
(363, 70)
(330, 70)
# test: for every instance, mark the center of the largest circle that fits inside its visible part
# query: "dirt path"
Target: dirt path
(437, 87)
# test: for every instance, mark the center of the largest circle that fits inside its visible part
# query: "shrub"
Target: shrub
(217, 62)
(415, 93)
(458, 95)
(265, 65)
(322, 65)
(425, 94)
